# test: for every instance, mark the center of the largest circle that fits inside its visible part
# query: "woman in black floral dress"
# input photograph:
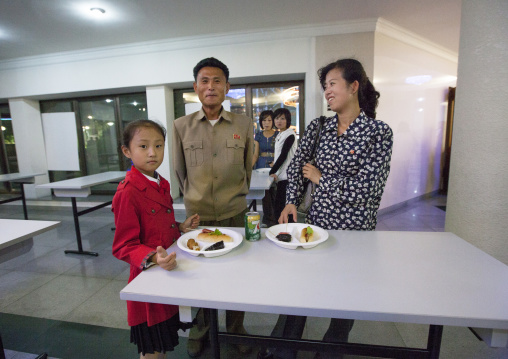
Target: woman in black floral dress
(351, 168)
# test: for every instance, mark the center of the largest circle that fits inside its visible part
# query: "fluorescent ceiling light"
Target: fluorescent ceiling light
(97, 11)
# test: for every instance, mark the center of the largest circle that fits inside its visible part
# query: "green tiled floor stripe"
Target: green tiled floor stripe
(64, 339)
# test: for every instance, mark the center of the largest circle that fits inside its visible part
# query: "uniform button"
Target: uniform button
(192, 146)
(173, 225)
(214, 155)
(153, 210)
(169, 210)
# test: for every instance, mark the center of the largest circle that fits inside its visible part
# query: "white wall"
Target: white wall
(416, 114)
(477, 208)
(115, 69)
(161, 108)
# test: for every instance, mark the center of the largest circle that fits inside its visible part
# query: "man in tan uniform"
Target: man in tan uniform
(212, 157)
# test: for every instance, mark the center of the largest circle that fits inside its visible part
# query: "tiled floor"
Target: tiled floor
(69, 306)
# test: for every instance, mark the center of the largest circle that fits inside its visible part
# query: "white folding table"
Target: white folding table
(81, 187)
(16, 238)
(260, 182)
(431, 278)
(21, 178)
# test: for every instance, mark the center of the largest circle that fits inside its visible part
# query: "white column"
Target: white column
(161, 108)
(29, 139)
(477, 207)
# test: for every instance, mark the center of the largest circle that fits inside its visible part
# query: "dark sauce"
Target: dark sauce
(283, 237)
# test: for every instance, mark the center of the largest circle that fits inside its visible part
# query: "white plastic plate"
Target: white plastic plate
(295, 229)
(228, 246)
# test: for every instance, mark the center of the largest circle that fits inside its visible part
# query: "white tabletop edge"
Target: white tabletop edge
(85, 181)
(18, 176)
(17, 230)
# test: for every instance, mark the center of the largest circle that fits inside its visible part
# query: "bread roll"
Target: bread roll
(307, 235)
(214, 237)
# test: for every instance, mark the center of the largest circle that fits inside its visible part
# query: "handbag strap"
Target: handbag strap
(316, 141)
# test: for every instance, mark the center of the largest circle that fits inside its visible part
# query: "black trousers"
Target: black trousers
(280, 200)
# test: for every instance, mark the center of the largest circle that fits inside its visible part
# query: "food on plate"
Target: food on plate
(208, 235)
(192, 244)
(307, 235)
(284, 237)
(215, 246)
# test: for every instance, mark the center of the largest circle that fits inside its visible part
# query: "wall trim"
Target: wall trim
(398, 33)
(286, 33)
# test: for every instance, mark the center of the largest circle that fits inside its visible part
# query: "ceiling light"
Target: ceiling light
(97, 11)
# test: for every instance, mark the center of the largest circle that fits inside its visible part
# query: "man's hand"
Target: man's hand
(168, 262)
(190, 223)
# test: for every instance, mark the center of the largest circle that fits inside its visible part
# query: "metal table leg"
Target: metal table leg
(75, 213)
(214, 333)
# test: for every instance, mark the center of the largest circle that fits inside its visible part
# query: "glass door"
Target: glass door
(99, 136)
(8, 158)
(273, 97)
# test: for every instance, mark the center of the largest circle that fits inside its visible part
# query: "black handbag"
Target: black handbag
(309, 185)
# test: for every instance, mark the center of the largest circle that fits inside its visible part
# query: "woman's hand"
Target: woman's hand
(165, 261)
(275, 178)
(190, 223)
(312, 173)
(290, 209)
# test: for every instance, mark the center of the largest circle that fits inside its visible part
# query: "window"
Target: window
(100, 122)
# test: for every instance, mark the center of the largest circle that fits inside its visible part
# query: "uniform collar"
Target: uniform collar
(222, 114)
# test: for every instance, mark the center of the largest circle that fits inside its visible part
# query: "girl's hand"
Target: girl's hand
(190, 223)
(289, 209)
(165, 261)
(312, 173)
(274, 177)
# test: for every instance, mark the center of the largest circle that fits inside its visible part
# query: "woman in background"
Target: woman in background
(264, 147)
(285, 148)
(264, 144)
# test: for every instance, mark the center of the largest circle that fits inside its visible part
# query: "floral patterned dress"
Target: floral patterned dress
(354, 168)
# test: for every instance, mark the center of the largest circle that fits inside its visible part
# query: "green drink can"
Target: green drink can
(252, 226)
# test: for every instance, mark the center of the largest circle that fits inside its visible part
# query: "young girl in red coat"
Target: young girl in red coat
(145, 226)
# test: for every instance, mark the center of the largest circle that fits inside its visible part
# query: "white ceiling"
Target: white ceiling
(37, 27)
